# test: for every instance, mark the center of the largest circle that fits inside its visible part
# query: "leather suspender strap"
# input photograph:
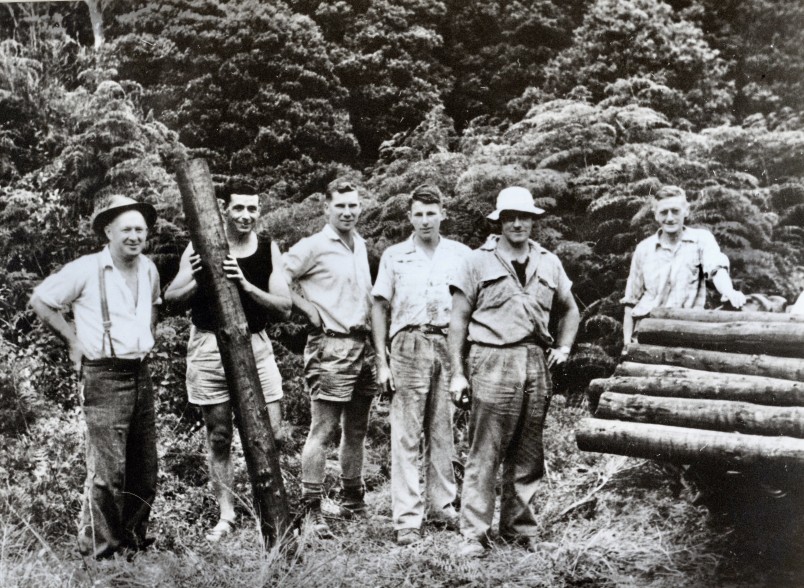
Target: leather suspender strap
(107, 321)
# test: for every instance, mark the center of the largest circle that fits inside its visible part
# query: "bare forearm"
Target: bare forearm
(458, 330)
(54, 320)
(273, 302)
(379, 328)
(181, 289)
(305, 306)
(568, 328)
(628, 325)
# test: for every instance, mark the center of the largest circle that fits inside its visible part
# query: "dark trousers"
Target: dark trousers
(118, 405)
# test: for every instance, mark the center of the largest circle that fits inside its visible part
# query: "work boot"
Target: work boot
(352, 503)
(448, 518)
(315, 518)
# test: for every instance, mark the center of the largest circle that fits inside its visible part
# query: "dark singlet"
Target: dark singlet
(520, 269)
(257, 269)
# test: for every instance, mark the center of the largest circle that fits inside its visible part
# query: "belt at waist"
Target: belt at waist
(427, 329)
(352, 334)
(525, 341)
(114, 363)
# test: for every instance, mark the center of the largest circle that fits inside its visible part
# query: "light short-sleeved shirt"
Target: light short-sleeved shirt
(77, 286)
(504, 311)
(333, 278)
(672, 278)
(417, 286)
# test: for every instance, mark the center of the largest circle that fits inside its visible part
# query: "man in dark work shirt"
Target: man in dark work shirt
(255, 265)
(502, 301)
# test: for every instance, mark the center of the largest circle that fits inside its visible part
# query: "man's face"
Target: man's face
(516, 226)
(127, 234)
(343, 210)
(671, 213)
(426, 220)
(242, 213)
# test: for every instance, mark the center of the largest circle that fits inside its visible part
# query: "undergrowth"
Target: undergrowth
(614, 521)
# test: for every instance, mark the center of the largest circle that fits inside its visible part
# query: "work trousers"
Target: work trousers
(118, 405)
(421, 404)
(510, 387)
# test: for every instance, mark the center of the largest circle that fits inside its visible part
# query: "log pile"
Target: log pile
(706, 387)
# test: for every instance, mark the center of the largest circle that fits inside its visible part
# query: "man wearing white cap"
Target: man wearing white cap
(502, 301)
(113, 296)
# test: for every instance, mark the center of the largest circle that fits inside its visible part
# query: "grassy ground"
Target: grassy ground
(616, 521)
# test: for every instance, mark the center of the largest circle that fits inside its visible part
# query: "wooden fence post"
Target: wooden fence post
(234, 341)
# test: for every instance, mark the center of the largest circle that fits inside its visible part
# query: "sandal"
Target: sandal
(219, 531)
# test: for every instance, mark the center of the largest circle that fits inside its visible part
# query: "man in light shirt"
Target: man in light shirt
(669, 268)
(412, 287)
(113, 295)
(502, 301)
(331, 272)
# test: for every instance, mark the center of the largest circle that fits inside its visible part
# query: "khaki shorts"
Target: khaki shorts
(206, 382)
(336, 368)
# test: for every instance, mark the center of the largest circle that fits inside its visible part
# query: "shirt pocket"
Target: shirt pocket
(545, 291)
(495, 291)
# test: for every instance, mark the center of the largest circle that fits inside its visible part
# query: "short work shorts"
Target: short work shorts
(206, 381)
(338, 368)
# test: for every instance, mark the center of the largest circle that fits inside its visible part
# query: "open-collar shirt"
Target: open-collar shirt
(672, 277)
(504, 311)
(417, 286)
(76, 286)
(333, 278)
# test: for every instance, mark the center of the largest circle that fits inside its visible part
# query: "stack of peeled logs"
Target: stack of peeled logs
(706, 387)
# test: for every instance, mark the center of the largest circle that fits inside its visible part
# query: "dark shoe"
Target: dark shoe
(447, 518)
(408, 536)
(315, 519)
(352, 503)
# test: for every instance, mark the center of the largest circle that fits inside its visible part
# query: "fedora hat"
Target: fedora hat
(117, 204)
(515, 198)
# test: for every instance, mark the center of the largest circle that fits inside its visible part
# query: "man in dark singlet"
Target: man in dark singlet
(255, 264)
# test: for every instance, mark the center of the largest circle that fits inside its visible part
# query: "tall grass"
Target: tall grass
(613, 521)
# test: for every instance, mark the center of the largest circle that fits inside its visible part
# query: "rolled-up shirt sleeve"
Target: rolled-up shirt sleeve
(712, 258)
(464, 280)
(384, 284)
(60, 290)
(635, 286)
(298, 259)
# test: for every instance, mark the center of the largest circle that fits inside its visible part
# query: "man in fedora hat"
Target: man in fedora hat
(502, 301)
(113, 296)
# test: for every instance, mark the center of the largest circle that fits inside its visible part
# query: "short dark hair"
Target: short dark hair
(426, 194)
(339, 187)
(224, 191)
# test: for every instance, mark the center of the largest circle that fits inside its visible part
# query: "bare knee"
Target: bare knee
(218, 420)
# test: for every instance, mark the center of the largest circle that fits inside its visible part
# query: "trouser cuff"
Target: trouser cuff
(311, 491)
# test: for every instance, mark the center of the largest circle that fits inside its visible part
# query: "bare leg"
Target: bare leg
(218, 420)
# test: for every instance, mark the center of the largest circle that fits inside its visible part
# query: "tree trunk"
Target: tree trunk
(689, 445)
(96, 18)
(716, 361)
(234, 341)
(700, 315)
(782, 339)
(717, 415)
(710, 386)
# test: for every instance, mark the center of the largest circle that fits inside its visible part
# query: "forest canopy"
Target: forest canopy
(592, 105)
